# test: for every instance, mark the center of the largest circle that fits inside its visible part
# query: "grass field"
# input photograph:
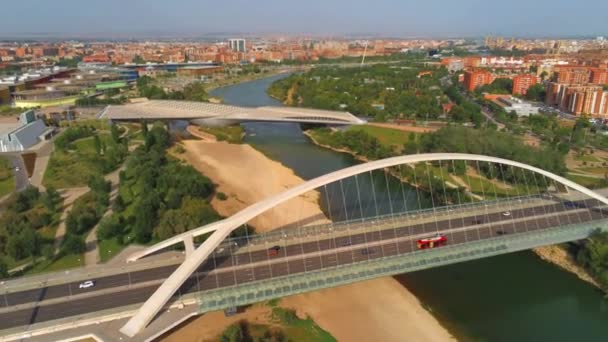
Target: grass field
(108, 249)
(587, 158)
(588, 182)
(231, 134)
(7, 178)
(74, 167)
(387, 136)
(63, 263)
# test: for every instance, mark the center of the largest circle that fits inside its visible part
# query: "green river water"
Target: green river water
(514, 297)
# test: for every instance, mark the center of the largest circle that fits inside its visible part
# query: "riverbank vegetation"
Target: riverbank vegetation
(158, 195)
(230, 134)
(150, 88)
(381, 91)
(285, 326)
(455, 139)
(592, 254)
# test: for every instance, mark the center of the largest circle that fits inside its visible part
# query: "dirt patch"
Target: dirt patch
(29, 159)
(210, 325)
(560, 257)
(232, 168)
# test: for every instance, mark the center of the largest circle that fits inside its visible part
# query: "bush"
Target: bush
(109, 227)
(74, 244)
(221, 196)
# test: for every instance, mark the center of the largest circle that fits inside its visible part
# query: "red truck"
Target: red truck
(432, 242)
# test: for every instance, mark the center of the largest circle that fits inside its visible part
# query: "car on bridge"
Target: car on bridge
(273, 251)
(86, 284)
(368, 251)
(432, 242)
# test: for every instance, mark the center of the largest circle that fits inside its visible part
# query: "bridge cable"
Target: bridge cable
(458, 189)
(447, 201)
(377, 218)
(406, 211)
(249, 242)
(485, 200)
(540, 194)
(347, 224)
(560, 203)
(523, 172)
(493, 180)
(509, 204)
(473, 196)
(390, 202)
(363, 217)
(428, 173)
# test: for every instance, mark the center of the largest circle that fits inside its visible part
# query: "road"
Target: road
(19, 171)
(243, 267)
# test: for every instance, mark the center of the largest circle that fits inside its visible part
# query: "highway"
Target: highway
(244, 267)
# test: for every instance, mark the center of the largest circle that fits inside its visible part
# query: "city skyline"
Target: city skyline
(405, 19)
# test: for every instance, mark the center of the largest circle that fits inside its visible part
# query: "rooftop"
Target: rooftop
(163, 109)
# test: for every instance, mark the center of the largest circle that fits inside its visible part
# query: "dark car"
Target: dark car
(274, 250)
(346, 243)
(368, 251)
(501, 232)
(477, 221)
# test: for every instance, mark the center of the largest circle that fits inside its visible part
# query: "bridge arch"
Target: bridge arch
(222, 229)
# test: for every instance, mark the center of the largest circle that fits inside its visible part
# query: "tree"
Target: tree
(109, 227)
(138, 60)
(536, 93)
(194, 212)
(3, 269)
(115, 133)
(74, 244)
(51, 199)
(97, 144)
(144, 128)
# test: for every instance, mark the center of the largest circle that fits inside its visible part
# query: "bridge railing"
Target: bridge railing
(282, 286)
(299, 232)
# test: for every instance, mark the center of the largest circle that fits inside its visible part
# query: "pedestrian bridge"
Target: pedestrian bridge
(213, 114)
(372, 232)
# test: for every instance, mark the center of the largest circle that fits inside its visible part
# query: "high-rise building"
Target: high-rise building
(599, 76)
(572, 75)
(522, 82)
(237, 45)
(477, 78)
(578, 99)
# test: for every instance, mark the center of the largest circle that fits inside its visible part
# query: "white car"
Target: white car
(17, 168)
(86, 284)
(506, 213)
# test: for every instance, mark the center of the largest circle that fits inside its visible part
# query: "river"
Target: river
(514, 297)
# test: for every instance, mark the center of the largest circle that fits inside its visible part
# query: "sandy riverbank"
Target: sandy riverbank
(377, 310)
(559, 256)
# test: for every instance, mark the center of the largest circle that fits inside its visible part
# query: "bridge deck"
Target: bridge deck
(223, 276)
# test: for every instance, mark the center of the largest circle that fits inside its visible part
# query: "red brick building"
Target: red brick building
(477, 78)
(599, 76)
(522, 82)
(578, 99)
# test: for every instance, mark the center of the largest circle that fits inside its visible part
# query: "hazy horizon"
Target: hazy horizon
(385, 18)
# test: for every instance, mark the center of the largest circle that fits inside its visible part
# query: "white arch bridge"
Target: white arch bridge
(524, 207)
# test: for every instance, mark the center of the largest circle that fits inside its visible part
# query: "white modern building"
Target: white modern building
(521, 107)
(25, 133)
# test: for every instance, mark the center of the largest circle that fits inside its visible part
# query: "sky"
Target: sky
(404, 18)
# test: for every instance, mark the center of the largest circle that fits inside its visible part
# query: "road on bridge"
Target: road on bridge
(48, 303)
